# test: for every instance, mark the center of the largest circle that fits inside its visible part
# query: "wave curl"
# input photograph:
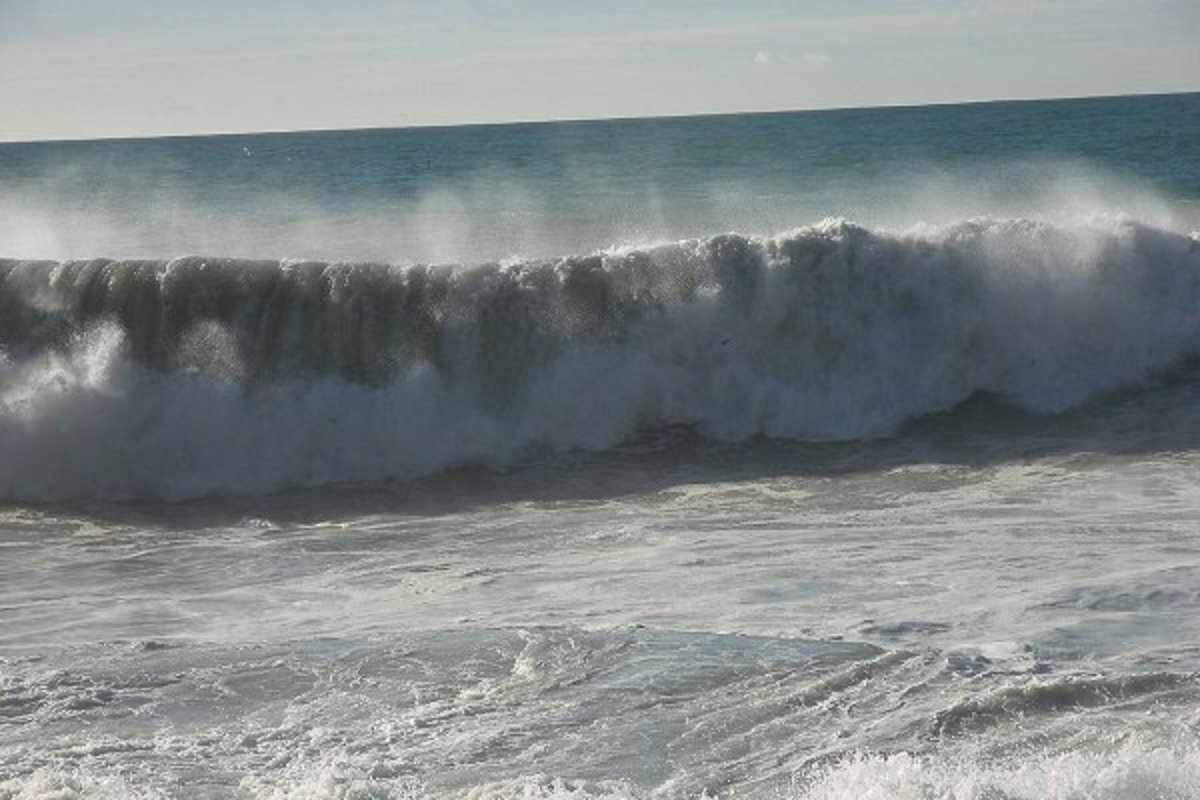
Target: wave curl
(194, 375)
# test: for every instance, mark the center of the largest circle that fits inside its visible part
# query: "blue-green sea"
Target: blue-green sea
(828, 455)
(494, 192)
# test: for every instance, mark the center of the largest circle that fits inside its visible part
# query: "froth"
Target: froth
(1133, 772)
(194, 376)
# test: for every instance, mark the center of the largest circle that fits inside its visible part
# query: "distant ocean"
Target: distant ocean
(829, 455)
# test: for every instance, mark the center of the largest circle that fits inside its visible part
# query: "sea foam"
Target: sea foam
(194, 375)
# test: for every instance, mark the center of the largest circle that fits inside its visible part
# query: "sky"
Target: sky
(97, 68)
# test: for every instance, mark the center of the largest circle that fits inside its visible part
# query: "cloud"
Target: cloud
(765, 58)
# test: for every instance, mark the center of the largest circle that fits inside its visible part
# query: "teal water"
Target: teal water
(828, 455)
(491, 192)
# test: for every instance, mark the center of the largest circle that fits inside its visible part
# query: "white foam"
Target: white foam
(75, 784)
(829, 332)
(1134, 772)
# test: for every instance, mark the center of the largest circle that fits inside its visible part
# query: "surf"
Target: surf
(192, 376)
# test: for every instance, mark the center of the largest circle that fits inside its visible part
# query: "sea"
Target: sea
(832, 455)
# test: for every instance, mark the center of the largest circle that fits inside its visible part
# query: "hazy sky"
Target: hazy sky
(86, 68)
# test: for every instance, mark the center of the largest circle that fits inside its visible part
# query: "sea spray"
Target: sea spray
(200, 375)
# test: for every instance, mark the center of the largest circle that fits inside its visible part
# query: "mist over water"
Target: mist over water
(836, 455)
(498, 216)
(469, 195)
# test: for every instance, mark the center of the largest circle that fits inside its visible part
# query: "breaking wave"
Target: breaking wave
(197, 375)
(1132, 771)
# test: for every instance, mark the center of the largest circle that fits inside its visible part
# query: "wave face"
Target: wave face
(197, 375)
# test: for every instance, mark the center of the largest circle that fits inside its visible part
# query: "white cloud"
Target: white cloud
(767, 57)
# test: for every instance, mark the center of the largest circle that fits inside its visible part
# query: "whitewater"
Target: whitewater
(114, 368)
(821, 455)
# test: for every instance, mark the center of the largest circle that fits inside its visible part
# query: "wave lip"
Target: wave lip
(195, 375)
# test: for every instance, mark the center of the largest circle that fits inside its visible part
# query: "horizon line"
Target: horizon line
(586, 119)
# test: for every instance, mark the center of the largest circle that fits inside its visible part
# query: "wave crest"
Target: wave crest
(196, 375)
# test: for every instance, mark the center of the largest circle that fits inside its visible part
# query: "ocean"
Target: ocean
(827, 455)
